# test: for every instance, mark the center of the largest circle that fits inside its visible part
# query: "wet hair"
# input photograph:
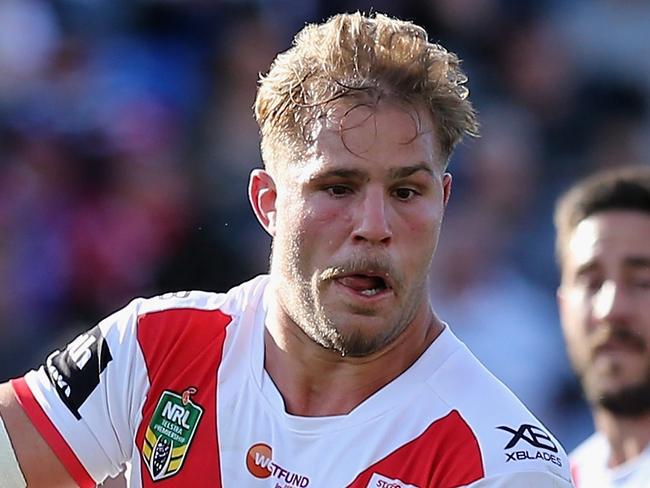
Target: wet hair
(355, 56)
(626, 188)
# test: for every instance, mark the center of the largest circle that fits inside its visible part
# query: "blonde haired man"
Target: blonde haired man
(333, 370)
(603, 246)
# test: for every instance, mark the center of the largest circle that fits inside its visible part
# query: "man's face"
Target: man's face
(604, 303)
(357, 226)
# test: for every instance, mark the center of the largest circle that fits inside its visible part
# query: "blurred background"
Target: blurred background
(127, 136)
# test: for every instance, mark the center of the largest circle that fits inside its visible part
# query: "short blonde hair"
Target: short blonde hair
(357, 55)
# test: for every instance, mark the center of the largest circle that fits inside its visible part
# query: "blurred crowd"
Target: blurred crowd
(127, 136)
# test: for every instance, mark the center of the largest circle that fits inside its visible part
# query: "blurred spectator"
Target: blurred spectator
(608, 38)
(29, 32)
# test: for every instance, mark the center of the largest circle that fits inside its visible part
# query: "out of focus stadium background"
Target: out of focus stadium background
(127, 136)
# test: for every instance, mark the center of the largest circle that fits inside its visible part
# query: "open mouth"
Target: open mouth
(367, 285)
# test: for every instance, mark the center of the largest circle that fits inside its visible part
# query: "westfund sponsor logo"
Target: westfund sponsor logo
(75, 372)
(536, 442)
(259, 461)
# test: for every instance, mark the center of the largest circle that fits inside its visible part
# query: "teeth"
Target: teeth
(371, 292)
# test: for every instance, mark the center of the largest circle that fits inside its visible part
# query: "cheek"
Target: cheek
(307, 228)
(326, 221)
(577, 349)
(421, 226)
(574, 320)
(324, 210)
(575, 312)
(575, 338)
(644, 325)
(642, 310)
(290, 227)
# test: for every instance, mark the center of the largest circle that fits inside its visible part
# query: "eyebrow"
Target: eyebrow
(394, 174)
(634, 262)
(586, 268)
(407, 171)
(637, 262)
(355, 174)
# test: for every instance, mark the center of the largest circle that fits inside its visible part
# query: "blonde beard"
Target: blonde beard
(298, 297)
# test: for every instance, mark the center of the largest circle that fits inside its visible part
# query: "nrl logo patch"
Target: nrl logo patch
(170, 432)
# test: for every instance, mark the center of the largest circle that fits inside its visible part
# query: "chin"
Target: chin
(624, 399)
(360, 345)
(360, 317)
(367, 336)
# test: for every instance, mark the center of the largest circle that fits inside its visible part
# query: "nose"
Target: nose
(611, 303)
(372, 223)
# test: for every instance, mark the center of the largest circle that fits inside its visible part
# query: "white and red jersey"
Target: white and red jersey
(589, 466)
(174, 390)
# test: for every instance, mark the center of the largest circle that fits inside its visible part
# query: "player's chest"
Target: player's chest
(400, 448)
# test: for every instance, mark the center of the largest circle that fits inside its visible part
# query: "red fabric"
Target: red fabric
(445, 455)
(183, 348)
(51, 435)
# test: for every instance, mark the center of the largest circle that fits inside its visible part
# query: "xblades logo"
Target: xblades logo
(533, 435)
(537, 438)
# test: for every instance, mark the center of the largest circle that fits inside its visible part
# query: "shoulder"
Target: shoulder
(176, 322)
(593, 446)
(175, 311)
(231, 301)
(509, 437)
(589, 459)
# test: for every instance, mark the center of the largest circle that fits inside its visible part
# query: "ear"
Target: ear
(446, 188)
(262, 195)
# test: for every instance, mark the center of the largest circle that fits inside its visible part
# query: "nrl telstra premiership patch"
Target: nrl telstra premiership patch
(170, 432)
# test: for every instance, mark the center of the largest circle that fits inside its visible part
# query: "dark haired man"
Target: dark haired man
(603, 246)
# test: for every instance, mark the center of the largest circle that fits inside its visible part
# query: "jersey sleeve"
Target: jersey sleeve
(86, 399)
(521, 479)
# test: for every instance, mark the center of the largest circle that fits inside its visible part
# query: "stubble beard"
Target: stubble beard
(300, 297)
(629, 401)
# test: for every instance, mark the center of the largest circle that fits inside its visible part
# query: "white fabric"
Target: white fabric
(10, 474)
(326, 451)
(589, 465)
(523, 480)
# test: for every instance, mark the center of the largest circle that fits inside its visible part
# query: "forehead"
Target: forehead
(609, 237)
(388, 132)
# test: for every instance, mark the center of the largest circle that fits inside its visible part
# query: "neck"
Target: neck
(315, 381)
(627, 436)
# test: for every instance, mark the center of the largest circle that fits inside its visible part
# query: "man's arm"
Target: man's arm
(38, 463)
